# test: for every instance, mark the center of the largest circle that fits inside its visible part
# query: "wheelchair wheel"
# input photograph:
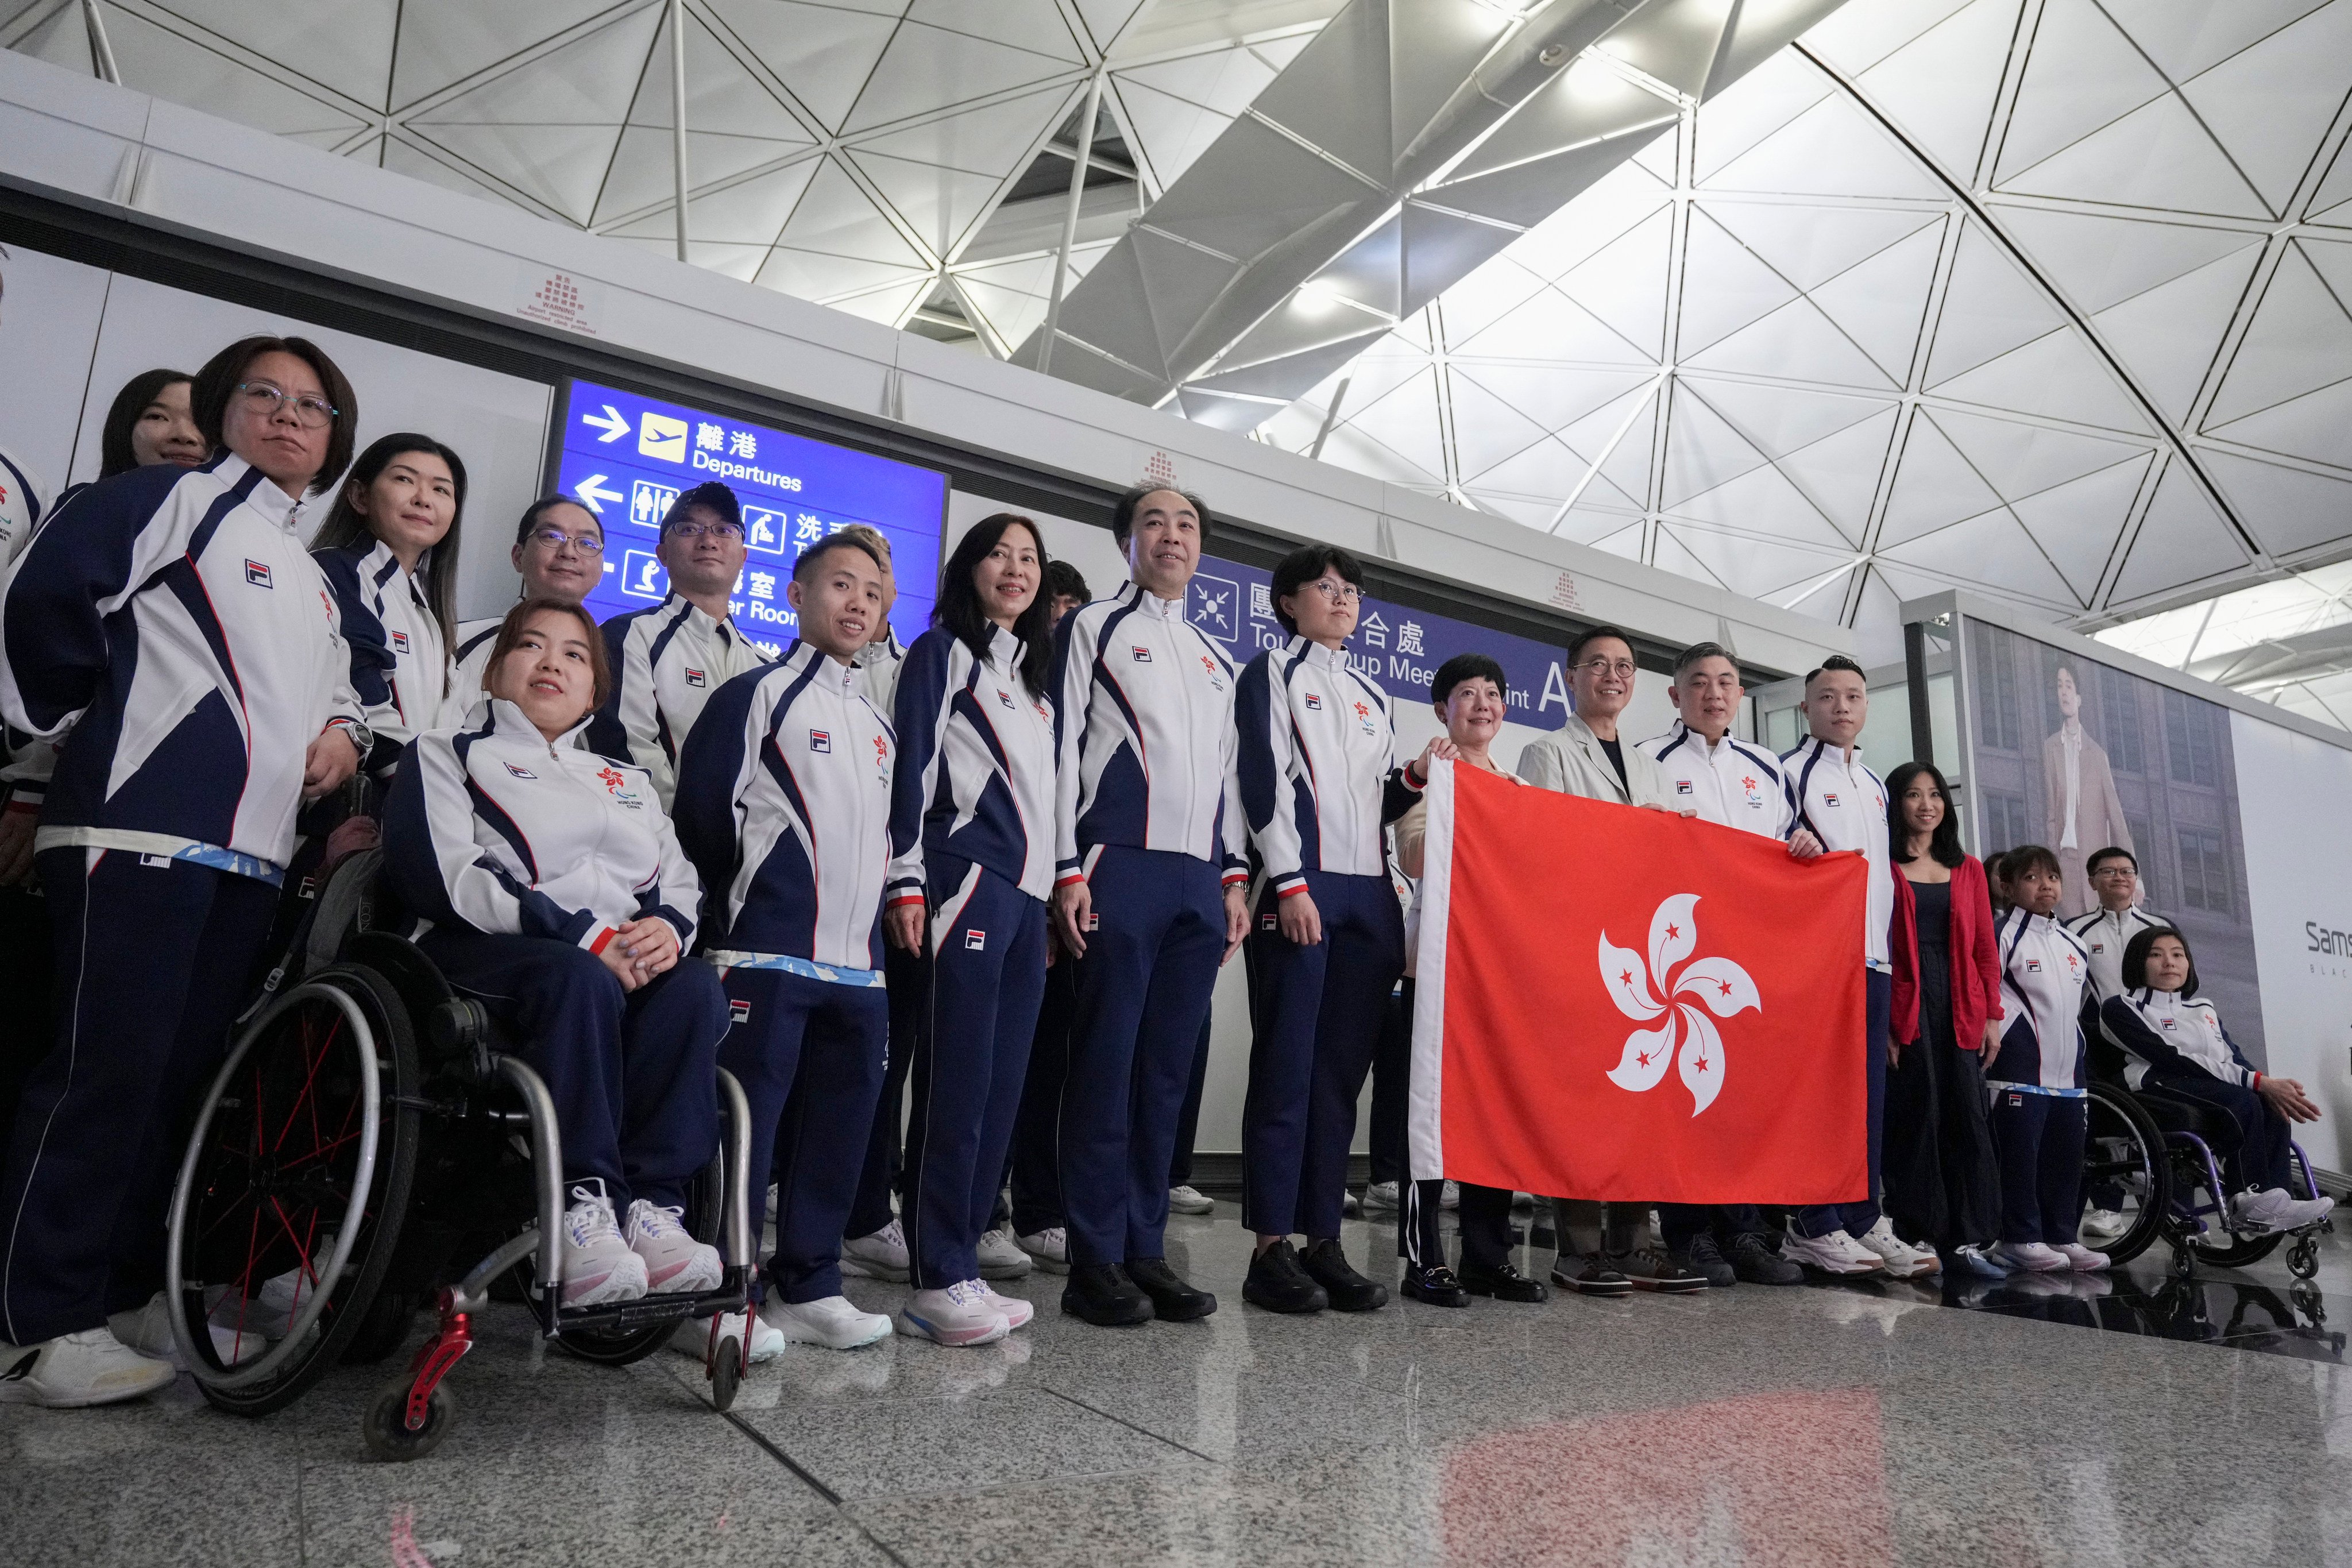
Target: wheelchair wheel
(291, 1192)
(2232, 1252)
(2124, 1150)
(385, 1327)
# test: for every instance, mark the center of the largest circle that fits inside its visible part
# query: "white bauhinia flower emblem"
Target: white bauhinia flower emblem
(1658, 990)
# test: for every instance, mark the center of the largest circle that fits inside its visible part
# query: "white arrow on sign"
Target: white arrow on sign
(591, 490)
(613, 422)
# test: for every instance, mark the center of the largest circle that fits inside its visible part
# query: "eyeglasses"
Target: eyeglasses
(310, 413)
(1338, 593)
(2114, 871)
(556, 538)
(1623, 668)
(721, 531)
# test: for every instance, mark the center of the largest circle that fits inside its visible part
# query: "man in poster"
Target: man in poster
(2079, 799)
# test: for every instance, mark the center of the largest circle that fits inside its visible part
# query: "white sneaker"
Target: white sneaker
(1900, 1259)
(1016, 1311)
(91, 1367)
(958, 1315)
(882, 1255)
(596, 1265)
(2031, 1256)
(998, 1258)
(694, 1340)
(1350, 1206)
(836, 1322)
(1189, 1199)
(2103, 1225)
(2274, 1210)
(1381, 1197)
(2081, 1258)
(676, 1264)
(148, 1331)
(1049, 1248)
(1836, 1253)
(771, 1204)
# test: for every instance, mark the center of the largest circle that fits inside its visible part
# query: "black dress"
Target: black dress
(1943, 1183)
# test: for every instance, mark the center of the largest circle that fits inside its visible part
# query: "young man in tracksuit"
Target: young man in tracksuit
(1148, 826)
(1732, 783)
(1843, 804)
(558, 548)
(667, 659)
(783, 805)
(2104, 932)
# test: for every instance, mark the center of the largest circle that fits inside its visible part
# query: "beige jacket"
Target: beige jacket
(1573, 763)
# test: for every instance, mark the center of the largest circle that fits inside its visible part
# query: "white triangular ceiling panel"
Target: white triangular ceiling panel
(2269, 105)
(2181, 541)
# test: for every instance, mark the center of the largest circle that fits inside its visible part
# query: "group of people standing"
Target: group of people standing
(652, 849)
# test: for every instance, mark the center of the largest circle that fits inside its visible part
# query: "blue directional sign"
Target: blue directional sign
(1397, 648)
(625, 457)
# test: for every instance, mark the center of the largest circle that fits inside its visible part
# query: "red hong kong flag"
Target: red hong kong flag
(1629, 1005)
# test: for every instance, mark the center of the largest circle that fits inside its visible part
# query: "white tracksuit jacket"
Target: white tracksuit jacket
(1844, 805)
(399, 667)
(975, 775)
(667, 661)
(2104, 936)
(2042, 972)
(1731, 783)
(1317, 765)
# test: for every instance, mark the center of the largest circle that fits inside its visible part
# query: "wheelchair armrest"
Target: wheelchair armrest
(459, 1027)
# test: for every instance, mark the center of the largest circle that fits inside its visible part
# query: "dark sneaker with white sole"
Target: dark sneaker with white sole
(1753, 1259)
(1703, 1256)
(1590, 1274)
(1654, 1269)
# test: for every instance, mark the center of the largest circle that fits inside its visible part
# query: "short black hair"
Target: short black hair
(1590, 636)
(2113, 851)
(827, 546)
(1064, 580)
(1699, 652)
(1835, 661)
(536, 514)
(1122, 511)
(1464, 667)
(2136, 951)
(223, 374)
(710, 494)
(1943, 843)
(114, 453)
(2030, 858)
(1304, 565)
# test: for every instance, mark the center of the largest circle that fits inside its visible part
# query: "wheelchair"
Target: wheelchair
(371, 1130)
(2163, 1154)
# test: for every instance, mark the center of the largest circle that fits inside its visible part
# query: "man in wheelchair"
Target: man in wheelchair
(2174, 1045)
(554, 891)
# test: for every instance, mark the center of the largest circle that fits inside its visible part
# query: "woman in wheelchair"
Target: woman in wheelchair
(2175, 1045)
(556, 894)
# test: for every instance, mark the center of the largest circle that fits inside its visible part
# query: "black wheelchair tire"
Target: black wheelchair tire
(2156, 1203)
(384, 1428)
(389, 1320)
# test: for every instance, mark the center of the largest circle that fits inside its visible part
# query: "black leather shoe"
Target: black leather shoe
(1103, 1295)
(1279, 1283)
(1753, 1261)
(1349, 1291)
(1503, 1283)
(1172, 1301)
(1438, 1287)
(1589, 1275)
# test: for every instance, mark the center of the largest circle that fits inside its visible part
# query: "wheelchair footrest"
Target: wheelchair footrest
(733, 1295)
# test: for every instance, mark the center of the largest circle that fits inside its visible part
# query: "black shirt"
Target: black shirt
(1616, 754)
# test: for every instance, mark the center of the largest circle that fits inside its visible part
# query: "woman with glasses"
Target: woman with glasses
(183, 645)
(559, 549)
(1319, 783)
(668, 658)
(390, 550)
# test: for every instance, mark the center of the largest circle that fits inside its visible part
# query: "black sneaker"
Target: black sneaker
(1704, 1257)
(1438, 1287)
(1277, 1282)
(1102, 1294)
(1503, 1283)
(1589, 1275)
(1347, 1290)
(1753, 1259)
(1172, 1301)
(1654, 1269)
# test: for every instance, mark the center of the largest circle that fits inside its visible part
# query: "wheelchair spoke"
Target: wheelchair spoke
(302, 1099)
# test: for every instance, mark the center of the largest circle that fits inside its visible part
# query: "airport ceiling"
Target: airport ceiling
(2049, 299)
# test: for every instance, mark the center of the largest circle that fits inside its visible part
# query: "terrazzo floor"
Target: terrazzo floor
(2207, 1424)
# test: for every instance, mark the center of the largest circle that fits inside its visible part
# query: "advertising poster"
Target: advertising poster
(2077, 756)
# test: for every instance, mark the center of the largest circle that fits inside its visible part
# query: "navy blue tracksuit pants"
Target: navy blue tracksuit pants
(1143, 988)
(2039, 1139)
(2262, 1154)
(1034, 1164)
(907, 974)
(153, 959)
(972, 1052)
(634, 1074)
(1854, 1218)
(1318, 1012)
(809, 1055)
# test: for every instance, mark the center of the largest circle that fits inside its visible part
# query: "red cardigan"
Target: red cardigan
(1976, 962)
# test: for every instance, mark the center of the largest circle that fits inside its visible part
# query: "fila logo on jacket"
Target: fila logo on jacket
(2042, 972)
(1844, 805)
(783, 804)
(976, 766)
(1317, 752)
(667, 661)
(491, 826)
(398, 666)
(1144, 707)
(2173, 1035)
(1731, 783)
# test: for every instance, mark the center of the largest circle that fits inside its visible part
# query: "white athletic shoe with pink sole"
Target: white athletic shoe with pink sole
(676, 1264)
(1016, 1311)
(958, 1315)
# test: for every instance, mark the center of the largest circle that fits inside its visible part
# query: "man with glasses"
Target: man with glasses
(1732, 783)
(2106, 932)
(558, 548)
(1604, 1251)
(669, 658)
